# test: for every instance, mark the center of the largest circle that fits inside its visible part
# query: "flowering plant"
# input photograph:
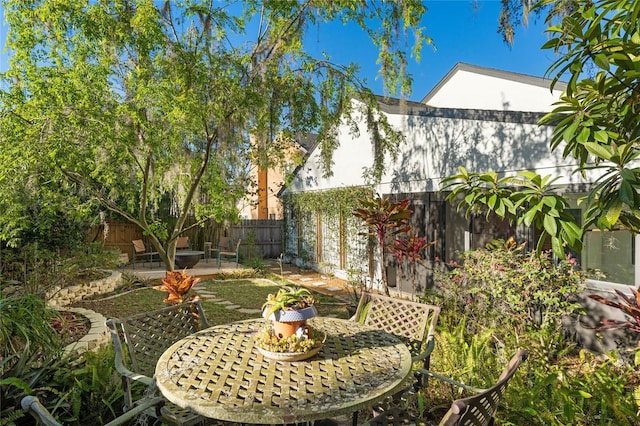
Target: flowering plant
(512, 293)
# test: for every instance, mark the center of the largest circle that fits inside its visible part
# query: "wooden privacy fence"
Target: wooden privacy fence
(116, 235)
(260, 238)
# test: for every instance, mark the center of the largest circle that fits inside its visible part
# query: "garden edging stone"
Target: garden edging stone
(60, 299)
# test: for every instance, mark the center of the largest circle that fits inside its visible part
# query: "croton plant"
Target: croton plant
(178, 284)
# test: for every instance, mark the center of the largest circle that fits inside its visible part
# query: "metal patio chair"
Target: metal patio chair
(146, 337)
(477, 410)
(413, 322)
(229, 253)
(182, 243)
(140, 252)
(33, 406)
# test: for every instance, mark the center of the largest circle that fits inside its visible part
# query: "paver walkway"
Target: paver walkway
(322, 283)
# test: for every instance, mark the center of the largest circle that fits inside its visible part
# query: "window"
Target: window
(610, 256)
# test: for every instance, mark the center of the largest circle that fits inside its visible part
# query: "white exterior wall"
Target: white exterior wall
(471, 87)
(434, 149)
(472, 91)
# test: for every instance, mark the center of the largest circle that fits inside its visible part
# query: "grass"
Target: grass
(245, 293)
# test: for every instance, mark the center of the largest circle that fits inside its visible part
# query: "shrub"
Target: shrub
(524, 298)
(499, 299)
(579, 388)
(37, 269)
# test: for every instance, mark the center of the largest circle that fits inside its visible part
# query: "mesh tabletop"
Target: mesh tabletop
(220, 374)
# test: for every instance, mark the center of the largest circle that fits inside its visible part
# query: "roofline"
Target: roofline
(492, 72)
(410, 108)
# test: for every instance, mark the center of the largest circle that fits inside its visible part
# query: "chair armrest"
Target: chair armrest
(137, 410)
(119, 356)
(422, 371)
(428, 348)
(125, 372)
(33, 406)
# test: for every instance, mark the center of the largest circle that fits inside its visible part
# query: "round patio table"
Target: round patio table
(220, 374)
(187, 258)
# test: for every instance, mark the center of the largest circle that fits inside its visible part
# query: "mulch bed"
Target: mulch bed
(71, 326)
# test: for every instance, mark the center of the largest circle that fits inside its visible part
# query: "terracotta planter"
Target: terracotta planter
(287, 322)
(286, 329)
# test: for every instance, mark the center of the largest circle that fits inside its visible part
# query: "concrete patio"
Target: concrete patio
(157, 270)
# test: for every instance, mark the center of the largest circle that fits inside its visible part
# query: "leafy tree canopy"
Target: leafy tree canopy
(147, 107)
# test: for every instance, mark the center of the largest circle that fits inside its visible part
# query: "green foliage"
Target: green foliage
(597, 117)
(76, 390)
(523, 297)
(91, 392)
(30, 350)
(596, 122)
(116, 105)
(287, 297)
(527, 198)
(25, 329)
(37, 269)
(266, 339)
(578, 388)
(334, 202)
(502, 298)
(251, 250)
(35, 209)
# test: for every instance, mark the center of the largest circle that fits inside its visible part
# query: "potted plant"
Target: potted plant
(289, 310)
(288, 337)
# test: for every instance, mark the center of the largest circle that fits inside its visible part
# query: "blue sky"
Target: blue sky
(462, 31)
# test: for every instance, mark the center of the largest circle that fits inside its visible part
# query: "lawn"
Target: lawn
(216, 296)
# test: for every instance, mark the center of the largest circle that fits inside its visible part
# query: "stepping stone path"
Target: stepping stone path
(211, 296)
(292, 277)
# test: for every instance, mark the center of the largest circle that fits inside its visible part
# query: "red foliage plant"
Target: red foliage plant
(629, 305)
(411, 249)
(178, 284)
(384, 218)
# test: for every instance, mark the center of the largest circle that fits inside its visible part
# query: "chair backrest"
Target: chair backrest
(480, 409)
(149, 334)
(182, 243)
(413, 322)
(238, 245)
(225, 243)
(138, 246)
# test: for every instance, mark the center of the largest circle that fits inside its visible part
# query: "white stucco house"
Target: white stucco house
(480, 118)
